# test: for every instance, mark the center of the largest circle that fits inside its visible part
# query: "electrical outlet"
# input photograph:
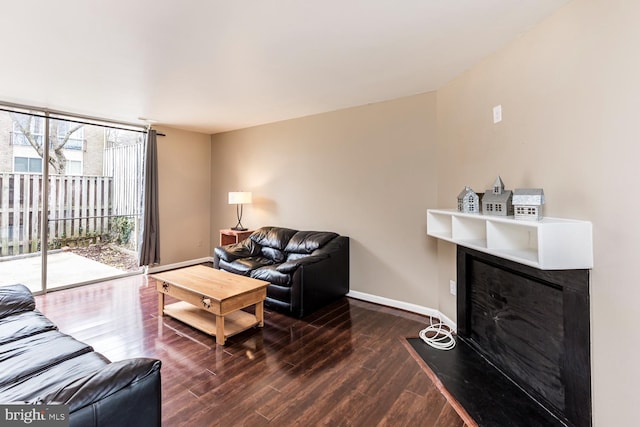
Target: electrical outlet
(497, 114)
(452, 287)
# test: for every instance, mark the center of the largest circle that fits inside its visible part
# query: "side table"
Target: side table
(228, 236)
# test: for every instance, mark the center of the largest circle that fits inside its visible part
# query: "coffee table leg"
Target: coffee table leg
(220, 330)
(160, 304)
(260, 313)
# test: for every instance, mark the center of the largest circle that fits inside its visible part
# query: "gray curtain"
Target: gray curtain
(150, 246)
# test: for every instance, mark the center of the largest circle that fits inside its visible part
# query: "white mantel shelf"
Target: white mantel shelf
(548, 244)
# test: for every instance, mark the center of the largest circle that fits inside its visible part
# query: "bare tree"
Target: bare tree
(122, 137)
(57, 159)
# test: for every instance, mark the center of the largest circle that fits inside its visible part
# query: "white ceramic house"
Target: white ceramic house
(497, 201)
(468, 201)
(527, 203)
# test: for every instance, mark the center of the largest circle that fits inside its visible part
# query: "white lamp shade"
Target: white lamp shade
(239, 197)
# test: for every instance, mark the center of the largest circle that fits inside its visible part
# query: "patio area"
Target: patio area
(64, 269)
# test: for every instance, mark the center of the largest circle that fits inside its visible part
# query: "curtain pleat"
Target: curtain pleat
(150, 246)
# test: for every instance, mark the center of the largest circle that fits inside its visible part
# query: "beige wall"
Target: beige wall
(367, 172)
(570, 92)
(185, 196)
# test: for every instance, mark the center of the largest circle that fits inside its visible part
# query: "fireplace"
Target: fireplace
(533, 326)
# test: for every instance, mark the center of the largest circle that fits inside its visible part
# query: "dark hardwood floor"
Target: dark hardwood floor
(345, 365)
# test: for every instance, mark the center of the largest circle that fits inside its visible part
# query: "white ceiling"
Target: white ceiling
(214, 65)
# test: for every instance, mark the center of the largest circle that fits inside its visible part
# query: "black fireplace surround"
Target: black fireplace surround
(533, 326)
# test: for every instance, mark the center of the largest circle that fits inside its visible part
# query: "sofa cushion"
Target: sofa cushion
(243, 249)
(273, 237)
(58, 376)
(271, 275)
(244, 266)
(29, 356)
(21, 325)
(305, 242)
(274, 255)
(293, 264)
(15, 299)
(292, 256)
(110, 378)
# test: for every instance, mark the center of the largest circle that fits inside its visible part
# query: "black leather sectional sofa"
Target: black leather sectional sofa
(41, 365)
(306, 269)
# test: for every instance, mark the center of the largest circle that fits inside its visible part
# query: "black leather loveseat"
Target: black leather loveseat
(306, 269)
(41, 365)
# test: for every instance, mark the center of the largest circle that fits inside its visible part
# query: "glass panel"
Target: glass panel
(35, 165)
(20, 200)
(95, 200)
(21, 164)
(74, 167)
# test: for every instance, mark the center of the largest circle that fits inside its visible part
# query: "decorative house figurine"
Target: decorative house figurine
(527, 203)
(497, 201)
(468, 201)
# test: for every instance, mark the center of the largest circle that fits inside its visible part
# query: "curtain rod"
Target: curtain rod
(110, 124)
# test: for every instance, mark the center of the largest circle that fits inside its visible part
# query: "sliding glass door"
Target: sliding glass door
(21, 198)
(90, 189)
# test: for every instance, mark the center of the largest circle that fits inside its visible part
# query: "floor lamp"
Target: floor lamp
(239, 198)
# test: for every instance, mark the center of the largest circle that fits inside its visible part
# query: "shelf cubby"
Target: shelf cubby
(548, 244)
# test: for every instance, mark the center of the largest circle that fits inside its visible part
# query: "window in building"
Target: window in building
(74, 167)
(27, 164)
(70, 134)
(29, 130)
(33, 125)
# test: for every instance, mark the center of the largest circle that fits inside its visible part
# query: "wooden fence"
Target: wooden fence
(79, 206)
(123, 163)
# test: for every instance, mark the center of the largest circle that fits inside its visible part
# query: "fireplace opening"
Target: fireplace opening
(532, 326)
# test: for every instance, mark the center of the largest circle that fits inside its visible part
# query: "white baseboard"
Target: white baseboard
(189, 263)
(414, 308)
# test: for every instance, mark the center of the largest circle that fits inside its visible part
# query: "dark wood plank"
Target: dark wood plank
(343, 365)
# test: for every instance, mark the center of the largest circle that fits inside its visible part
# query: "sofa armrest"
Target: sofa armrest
(244, 249)
(290, 266)
(116, 384)
(15, 299)
(324, 281)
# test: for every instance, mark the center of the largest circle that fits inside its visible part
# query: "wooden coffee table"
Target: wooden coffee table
(212, 300)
